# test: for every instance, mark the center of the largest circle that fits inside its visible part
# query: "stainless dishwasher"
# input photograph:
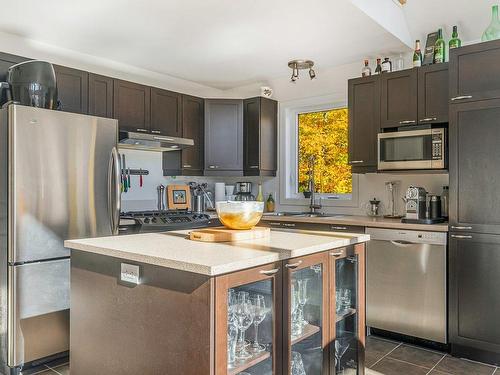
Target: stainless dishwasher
(406, 283)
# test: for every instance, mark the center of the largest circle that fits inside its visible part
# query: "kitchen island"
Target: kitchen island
(158, 303)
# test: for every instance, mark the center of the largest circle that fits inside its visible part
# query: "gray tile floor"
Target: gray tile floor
(383, 357)
(395, 358)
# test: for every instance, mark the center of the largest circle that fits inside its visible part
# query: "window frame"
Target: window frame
(289, 114)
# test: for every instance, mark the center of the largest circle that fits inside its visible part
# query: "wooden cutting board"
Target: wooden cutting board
(223, 234)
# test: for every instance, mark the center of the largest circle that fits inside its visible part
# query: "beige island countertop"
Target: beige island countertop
(174, 250)
(359, 220)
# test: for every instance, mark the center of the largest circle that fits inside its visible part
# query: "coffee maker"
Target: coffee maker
(416, 203)
(244, 192)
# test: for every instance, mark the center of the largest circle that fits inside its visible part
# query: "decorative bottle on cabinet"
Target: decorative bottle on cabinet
(366, 71)
(455, 42)
(417, 55)
(378, 69)
(386, 65)
(440, 49)
(493, 30)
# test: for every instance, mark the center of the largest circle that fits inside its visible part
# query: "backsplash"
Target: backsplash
(370, 186)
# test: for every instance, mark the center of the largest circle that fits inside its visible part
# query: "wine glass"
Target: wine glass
(260, 312)
(302, 296)
(232, 337)
(341, 346)
(296, 327)
(297, 365)
(244, 314)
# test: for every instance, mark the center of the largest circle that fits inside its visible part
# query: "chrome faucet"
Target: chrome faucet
(313, 206)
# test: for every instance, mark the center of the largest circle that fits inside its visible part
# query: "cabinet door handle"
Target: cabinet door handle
(164, 139)
(463, 97)
(461, 236)
(254, 166)
(338, 228)
(276, 224)
(407, 122)
(291, 225)
(428, 119)
(186, 166)
(269, 272)
(293, 265)
(356, 161)
(337, 254)
(155, 131)
(461, 228)
(213, 166)
(142, 130)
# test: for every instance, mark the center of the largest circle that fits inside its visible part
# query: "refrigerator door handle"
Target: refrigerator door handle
(114, 206)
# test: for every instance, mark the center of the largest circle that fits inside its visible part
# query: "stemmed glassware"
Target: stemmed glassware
(296, 327)
(302, 296)
(260, 312)
(341, 346)
(232, 328)
(297, 365)
(244, 313)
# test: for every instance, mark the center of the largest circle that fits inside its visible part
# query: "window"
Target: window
(323, 138)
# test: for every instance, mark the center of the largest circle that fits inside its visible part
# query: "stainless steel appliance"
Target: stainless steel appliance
(416, 203)
(32, 83)
(161, 221)
(60, 179)
(412, 149)
(244, 192)
(406, 283)
(141, 140)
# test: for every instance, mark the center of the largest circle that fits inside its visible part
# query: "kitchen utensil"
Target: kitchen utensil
(220, 191)
(223, 234)
(260, 312)
(435, 206)
(199, 203)
(161, 193)
(129, 185)
(239, 215)
(141, 181)
(373, 207)
(32, 83)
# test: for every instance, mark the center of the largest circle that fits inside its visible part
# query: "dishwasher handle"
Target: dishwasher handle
(400, 243)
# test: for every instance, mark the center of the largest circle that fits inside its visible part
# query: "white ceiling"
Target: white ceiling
(217, 43)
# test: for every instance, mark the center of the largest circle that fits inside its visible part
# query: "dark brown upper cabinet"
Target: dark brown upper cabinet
(475, 72)
(132, 106)
(433, 94)
(223, 137)
(193, 127)
(100, 95)
(72, 89)
(6, 61)
(166, 116)
(474, 136)
(364, 123)
(260, 129)
(399, 98)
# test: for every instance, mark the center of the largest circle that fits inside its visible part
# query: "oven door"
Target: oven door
(415, 149)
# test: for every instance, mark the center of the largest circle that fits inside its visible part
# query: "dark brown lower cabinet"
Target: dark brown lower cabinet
(474, 299)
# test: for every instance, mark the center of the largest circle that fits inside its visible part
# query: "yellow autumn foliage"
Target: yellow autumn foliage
(325, 135)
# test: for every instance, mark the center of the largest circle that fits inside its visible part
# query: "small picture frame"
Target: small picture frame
(178, 197)
(429, 48)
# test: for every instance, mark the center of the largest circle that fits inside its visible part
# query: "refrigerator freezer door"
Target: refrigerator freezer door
(58, 173)
(38, 312)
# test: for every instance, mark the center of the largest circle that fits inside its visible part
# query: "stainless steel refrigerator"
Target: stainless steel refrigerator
(59, 179)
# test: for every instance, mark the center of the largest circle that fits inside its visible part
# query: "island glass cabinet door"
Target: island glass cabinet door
(347, 309)
(247, 322)
(305, 328)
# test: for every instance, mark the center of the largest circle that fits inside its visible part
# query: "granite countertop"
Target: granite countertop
(174, 250)
(364, 221)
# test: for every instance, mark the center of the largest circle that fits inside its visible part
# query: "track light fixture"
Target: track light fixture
(297, 65)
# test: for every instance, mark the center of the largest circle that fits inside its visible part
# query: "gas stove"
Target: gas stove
(161, 221)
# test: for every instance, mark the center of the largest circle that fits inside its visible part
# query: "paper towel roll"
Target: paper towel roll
(220, 191)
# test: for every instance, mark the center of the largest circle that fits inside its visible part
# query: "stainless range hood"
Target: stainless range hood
(152, 142)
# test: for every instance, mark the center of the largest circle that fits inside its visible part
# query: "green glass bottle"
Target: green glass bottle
(455, 41)
(492, 32)
(439, 49)
(417, 55)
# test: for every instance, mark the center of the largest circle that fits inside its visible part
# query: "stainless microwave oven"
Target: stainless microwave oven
(412, 149)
